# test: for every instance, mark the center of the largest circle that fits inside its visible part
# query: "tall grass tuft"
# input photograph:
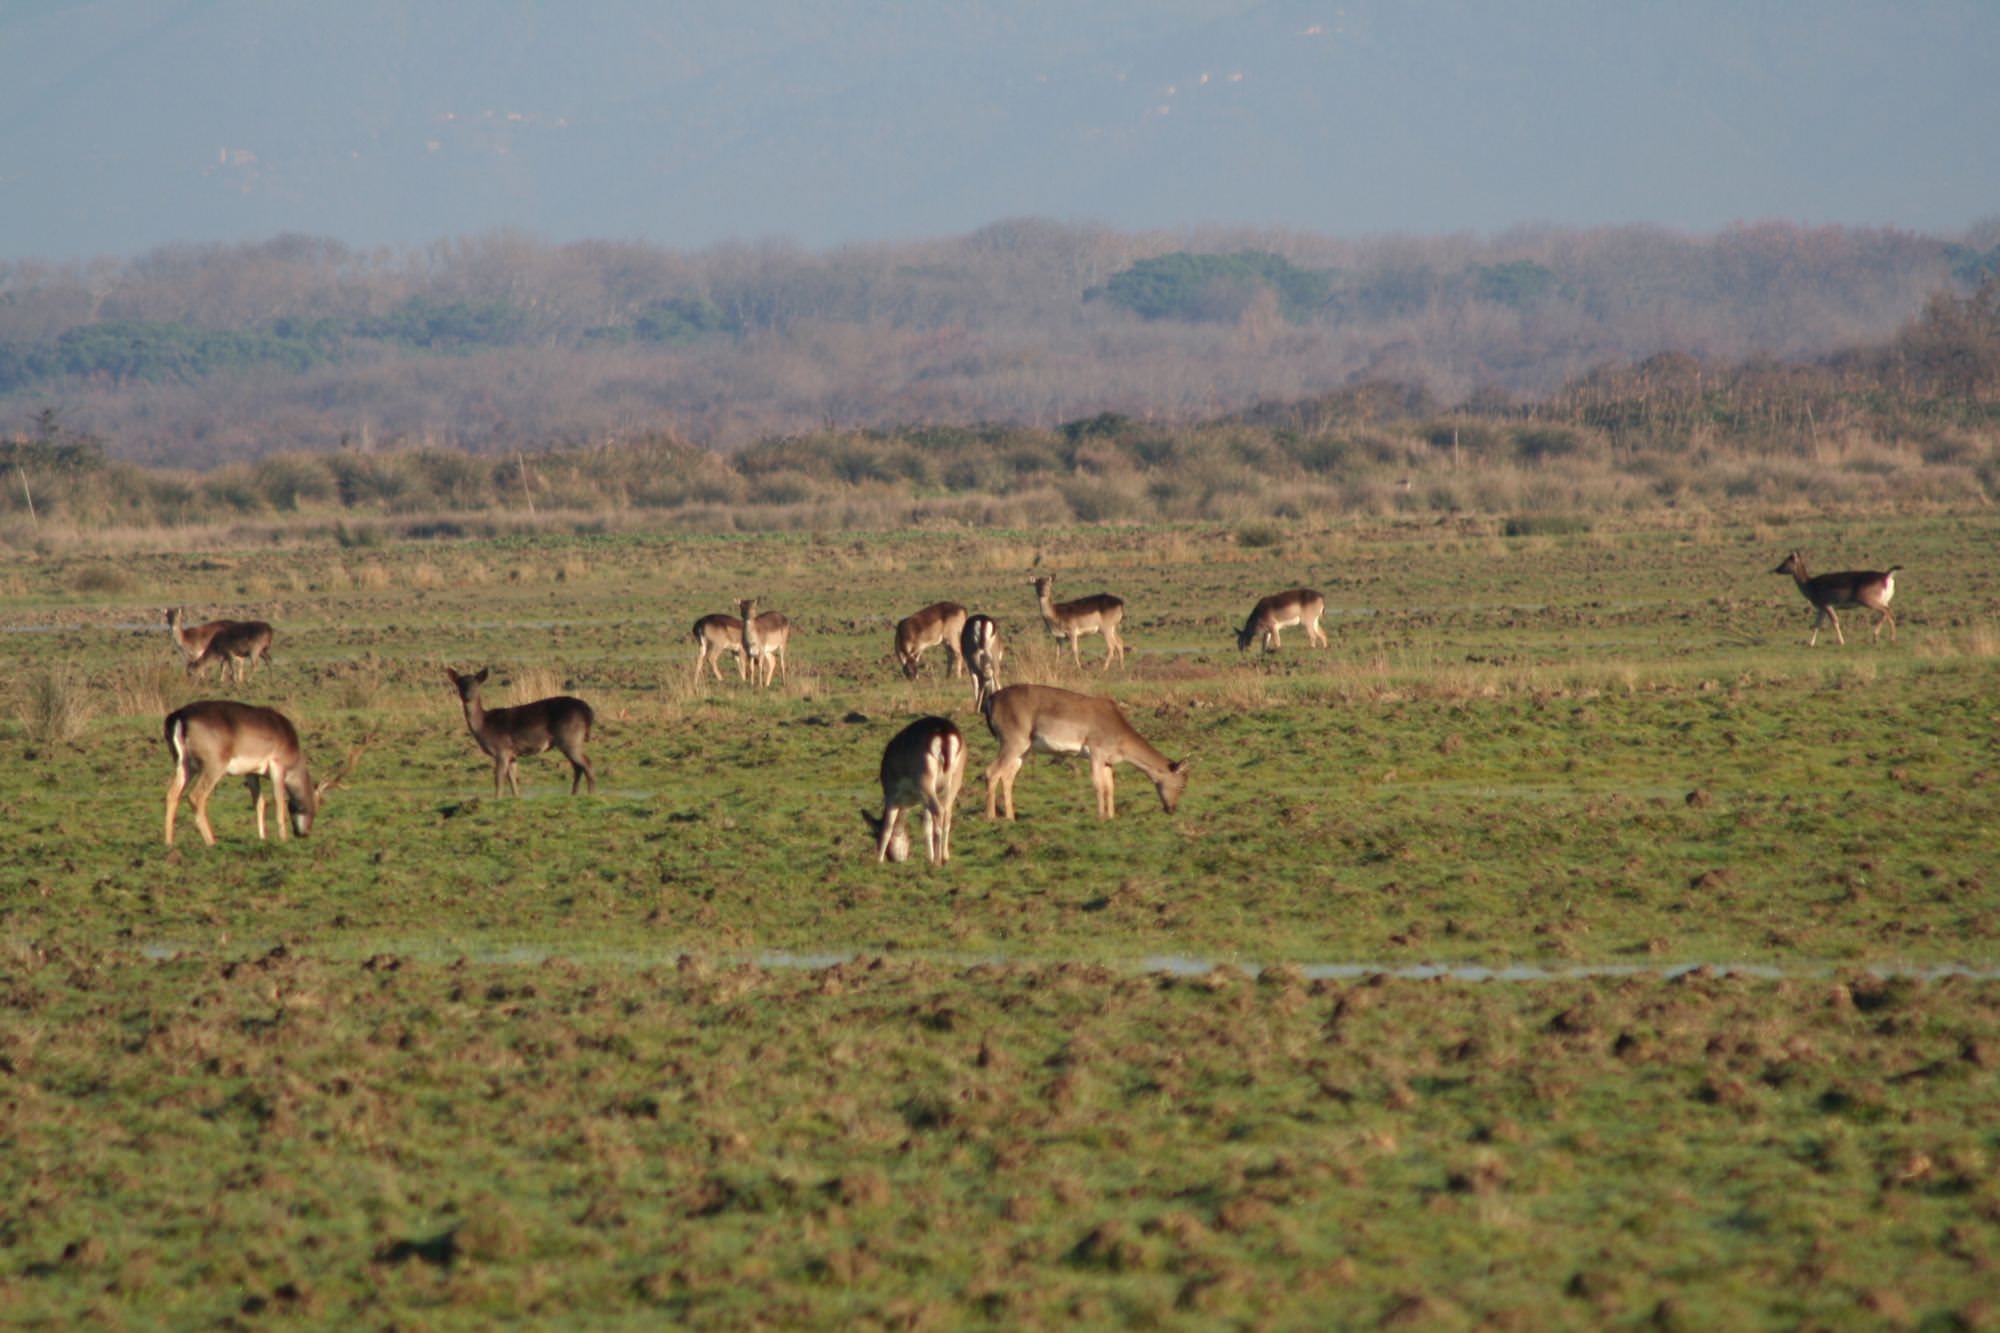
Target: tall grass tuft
(527, 684)
(53, 704)
(151, 688)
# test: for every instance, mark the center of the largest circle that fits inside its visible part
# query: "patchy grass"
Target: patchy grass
(454, 1059)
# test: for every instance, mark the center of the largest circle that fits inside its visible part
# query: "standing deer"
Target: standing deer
(1300, 606)
(216, 738)
(938, 623)
(1042, 717)
(979, 644)
(234, 643)
(922, 768)
(527, 729)
(714, 636)
(1100, 613)
(765, 639)
(1867, 588)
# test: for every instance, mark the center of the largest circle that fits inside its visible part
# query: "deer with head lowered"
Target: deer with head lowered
(527, 729)
(231, 643)
(1042, 717)
(1100, 613)
(1866, 588)
(765, 638)
(1300, 606)
(714, 636)
(922, 769)
(215, 738)
(979, 644)
(938, 623)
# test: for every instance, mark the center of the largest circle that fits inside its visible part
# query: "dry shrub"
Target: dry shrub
(107, 580)
(424, 574)
(373, 578)
(152, 688)
(53, 703)
(526, 684)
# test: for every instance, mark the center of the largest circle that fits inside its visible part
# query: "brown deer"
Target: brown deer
(922, 769)
(1100, 613)
(938, 623)
(1042, 717)
(216, 738)
(1866, 588)
(1300, 606)
(527, 729)
(234, 643)
(714, 636)
(765, 639)
(979, 644)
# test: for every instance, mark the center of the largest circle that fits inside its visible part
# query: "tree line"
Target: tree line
(203, 355)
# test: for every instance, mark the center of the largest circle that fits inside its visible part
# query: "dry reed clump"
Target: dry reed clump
(151, 688)
(373, 578)
(54, 703)
(526, 684)
(102, 580)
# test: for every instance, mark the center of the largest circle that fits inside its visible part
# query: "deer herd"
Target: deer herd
(923, 766)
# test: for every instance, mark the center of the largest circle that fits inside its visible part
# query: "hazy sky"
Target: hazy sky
(126, 124)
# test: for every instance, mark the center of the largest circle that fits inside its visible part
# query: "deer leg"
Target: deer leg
(278, 799)
(1838, 637)
(1000, 784)
(1100, 778)
(1888, 620)
(175, 786)
(885, 832)
(203, 785)
(256, 790)
(581, 772)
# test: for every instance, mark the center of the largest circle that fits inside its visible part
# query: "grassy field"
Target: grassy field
(682, 1050)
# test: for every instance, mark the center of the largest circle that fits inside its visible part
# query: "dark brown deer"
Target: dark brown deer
(234, 643)
(922, 769)
(215, 738)
(527, 729)
(1866, 588)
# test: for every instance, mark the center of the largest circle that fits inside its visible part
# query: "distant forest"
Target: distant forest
(197, 356)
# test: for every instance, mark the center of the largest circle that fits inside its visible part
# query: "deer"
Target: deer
(1299, 606)
(979, 644)
(1056, 721)
(233, 643)
(923, 767)
(765, 638)
(527, 729)
(938, 623)
(1867, 588)
(1100, 613)
(216, 738)
(714, 636)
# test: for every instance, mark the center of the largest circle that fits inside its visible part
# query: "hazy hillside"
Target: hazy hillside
(200, 354)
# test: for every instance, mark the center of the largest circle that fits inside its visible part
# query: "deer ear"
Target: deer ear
(451, 675)
(481, 677)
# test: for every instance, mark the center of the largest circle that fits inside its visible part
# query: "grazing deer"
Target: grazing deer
(527, 729)
(1867, 588)
(233, 643)
(714, 636)
(1300, 606)
(922, 768)
(1042, 717)
(979, 644)
(765, 638)
(216, 738)
(1098, 614)
(938, 623)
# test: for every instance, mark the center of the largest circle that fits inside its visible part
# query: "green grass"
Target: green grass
(453, 1059)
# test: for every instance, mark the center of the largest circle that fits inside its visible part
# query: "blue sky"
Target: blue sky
(130, 124)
